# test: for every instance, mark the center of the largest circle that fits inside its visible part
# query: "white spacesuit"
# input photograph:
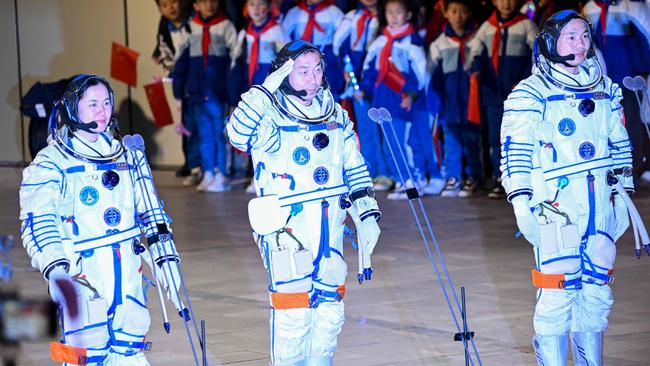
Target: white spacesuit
(309, 157)
(83, 211)
(564, 146)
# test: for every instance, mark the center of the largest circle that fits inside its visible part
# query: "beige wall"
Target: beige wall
(59, 38)
(10, 139)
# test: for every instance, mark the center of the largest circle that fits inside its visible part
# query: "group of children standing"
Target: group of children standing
(426, 87)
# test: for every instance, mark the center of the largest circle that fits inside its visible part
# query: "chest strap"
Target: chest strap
(329, 126)
(99, 167)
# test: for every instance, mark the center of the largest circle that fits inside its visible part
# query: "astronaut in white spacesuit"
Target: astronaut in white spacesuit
(306, 156)
(84, 207)
(564, 149)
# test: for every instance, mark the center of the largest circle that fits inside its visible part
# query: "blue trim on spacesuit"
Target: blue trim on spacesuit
(39, 184)
(91, 326)
(290, 281)
(576, 164)
(555, 259)
(324, 245)
(310, 128)
(591, 95)
(591, 226)
(105, 236)
(99, 167)
(136, 301)
(117, 270)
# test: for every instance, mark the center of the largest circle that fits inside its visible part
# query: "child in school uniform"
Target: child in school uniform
(352, 38)
(461, 138)
(395, 72)
(174, 30)
(199, 80)
(315, 21)
(500, 54)
(257, 46)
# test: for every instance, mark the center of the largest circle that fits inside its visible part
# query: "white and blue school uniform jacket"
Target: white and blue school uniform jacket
(294, 24)
(312, 183)
(561, 159)
(409, 58)
(271, 42)
(345, 38)
(70, 217)
(193, 79)
(448, 76)
(514, 60)
(626, 42)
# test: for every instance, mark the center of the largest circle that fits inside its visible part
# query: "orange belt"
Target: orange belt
(296, 300)
(60, 352)
(341, 290)
(289, 300)
(543, 280)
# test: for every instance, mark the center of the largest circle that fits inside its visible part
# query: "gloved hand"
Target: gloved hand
(526, 221)
(62, 290)
(273, 81)
(170, 279)
(368, 233)
(367, 230)
(622, 217)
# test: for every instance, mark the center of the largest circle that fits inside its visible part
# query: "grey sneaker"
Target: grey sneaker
(452, 187)
(194, 178)
(497, 191)
(469, 188)
(382, 183)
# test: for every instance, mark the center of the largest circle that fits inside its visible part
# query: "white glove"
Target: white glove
(526, 221)
(169, 278)
(273, 81)
(367, 230)
(622, 217)
(368, 234)
(63, 290)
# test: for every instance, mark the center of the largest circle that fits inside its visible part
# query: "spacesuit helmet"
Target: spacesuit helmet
(66, 108)
(293, 50)
(548, 37)
(65, 121)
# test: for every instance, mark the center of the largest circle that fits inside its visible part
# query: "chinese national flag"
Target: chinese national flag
(473, 107)
(162, 115)
(123, 64)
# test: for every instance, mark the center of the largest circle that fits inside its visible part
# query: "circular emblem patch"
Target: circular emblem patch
(566, 127)
(112, 216)
(89, 196)
(587, 150)
(321, 175)
(301, 156)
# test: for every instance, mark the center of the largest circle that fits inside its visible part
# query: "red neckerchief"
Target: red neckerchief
(496, 40)
(311, 22)
(361, 24)
(255, 47)
(205, 37)
(603, 18)
(460, 40)
(386, 51)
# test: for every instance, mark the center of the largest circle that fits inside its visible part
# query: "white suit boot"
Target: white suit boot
(551, 350)
(587, 348)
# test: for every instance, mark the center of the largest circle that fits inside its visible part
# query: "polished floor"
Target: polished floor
(398, 318)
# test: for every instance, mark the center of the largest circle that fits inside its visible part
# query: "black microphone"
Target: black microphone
(564, 59)
(86, 126)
